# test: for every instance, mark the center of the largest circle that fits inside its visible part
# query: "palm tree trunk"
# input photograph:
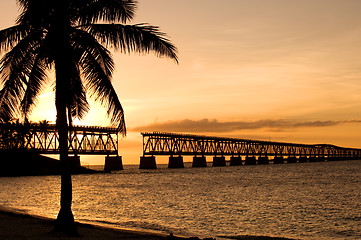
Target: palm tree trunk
(65, 220)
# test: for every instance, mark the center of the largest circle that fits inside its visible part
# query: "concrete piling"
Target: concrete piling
(199, 161)
(113, 163)
(278, 160)
(175, 162)
(312, 158)
(236, 161)
(250, 160)
(303, 159)
(291, 159)
(263, 160)
(147, 163)
(219, 162)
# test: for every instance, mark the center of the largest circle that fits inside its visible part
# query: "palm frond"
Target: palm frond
(5, 112)
(86, 44)
(35, 84)
(17, 63)
(9, 37)
(101, 88)
(19, 55)
(14, 86)
(36, 14)
(139, 38)
(76, 97)
(80, 106)
(8, 104)
(15, 68)
(106, 10)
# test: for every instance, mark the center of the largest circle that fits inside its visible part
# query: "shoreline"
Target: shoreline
(16, 225)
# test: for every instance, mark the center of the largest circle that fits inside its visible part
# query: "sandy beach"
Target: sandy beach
(19, 225)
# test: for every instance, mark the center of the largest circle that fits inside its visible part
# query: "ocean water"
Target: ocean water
(319, 200)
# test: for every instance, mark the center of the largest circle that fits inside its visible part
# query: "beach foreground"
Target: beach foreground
(18, 225)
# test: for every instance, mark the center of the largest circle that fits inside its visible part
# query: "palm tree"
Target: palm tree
(71, 37)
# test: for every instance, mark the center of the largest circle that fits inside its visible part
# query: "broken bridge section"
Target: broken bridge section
(241, 151)
(44, 139)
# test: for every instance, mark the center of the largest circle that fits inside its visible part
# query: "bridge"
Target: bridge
(241, 151)
(44, 139)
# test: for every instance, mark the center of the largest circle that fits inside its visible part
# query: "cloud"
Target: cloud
(215, 126)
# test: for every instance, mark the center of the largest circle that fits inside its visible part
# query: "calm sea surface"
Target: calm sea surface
(302, 201)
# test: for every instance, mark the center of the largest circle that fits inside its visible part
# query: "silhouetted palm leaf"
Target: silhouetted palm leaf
(139, 38)
(35, 84)
(106, 10)
(9, 37)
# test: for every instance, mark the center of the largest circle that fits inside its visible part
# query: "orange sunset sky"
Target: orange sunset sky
(279, 70)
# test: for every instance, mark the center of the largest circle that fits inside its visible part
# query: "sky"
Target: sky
(278, 70)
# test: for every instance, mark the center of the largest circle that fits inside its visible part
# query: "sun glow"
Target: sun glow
(45, 110)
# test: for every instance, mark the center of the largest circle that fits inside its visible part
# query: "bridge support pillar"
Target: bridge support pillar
(291, 159)
(236, 161)
(278, 160)
(147, 162)
(113, 163)
(74, 162)
(312, 159)
(250, 160)
(199, 161)
(263, 160)
(219, 162)
(175, 162)
(302, 159)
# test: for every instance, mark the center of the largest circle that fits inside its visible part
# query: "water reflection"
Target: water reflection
(311, 200)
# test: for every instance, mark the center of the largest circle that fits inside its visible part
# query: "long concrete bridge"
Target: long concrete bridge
(44, 139)
(241, 151)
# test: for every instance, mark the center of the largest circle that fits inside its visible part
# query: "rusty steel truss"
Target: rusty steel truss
(158, 143)
(45, 139)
